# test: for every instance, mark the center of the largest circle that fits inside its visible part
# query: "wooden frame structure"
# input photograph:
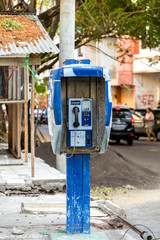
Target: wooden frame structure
(17, 99)
(20, 52)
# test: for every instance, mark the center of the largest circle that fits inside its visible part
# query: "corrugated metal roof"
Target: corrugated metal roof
(39, 44)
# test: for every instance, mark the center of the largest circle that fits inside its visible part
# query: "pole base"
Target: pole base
(78, 194)
(91, 236)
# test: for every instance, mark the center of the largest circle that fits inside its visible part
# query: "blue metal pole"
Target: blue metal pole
(78, 193)
(86, 193)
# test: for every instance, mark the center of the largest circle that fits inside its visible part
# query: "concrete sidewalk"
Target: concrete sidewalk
(144, 210)
(37, 226)
(15, 174)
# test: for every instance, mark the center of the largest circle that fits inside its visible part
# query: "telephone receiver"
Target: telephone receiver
(75, 111)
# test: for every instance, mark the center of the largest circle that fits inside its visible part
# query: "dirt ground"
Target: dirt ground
(109, 169)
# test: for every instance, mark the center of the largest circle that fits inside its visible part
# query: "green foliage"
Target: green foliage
(139, 19)
(41, 88)
(103, 192)
(97, 19)
(11, 24)
(44, 3)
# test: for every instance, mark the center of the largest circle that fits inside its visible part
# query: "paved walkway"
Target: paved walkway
(16, 173)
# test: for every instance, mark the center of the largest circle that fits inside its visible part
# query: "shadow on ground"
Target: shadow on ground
(110, 169)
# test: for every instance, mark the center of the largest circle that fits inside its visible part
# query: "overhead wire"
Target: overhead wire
(100, 28)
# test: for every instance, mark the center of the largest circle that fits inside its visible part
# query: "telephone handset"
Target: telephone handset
(75, 111)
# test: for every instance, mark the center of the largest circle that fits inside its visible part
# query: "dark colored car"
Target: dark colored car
(139, 124)
(122, 124)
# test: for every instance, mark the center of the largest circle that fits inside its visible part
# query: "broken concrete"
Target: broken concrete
(17, 231)
(57, 208)
(18, 177)
(2, 186)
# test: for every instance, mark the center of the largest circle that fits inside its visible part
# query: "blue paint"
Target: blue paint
(87, 70)
(86, 118)
(70, 229)
(79, 70)
(78, 193)
(78, 197)
(74, 68)
(57, 103)
(56, 74)
(108, 106)
(73, 61)
(86, 193)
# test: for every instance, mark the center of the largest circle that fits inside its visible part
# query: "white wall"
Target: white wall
(142, 63)
(147, 89)
(103, 57)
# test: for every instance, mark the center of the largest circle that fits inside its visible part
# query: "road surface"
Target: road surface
(146, 154)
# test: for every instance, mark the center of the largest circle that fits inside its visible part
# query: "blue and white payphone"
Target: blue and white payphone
(91, 87)
(79, 116)
(80, 122)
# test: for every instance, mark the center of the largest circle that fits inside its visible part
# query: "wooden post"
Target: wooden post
(18, 108)
(32, 126)
(10, 85)
(18, 82)
(26, 131)
(26, 113)
(14, 133)
(14, 85)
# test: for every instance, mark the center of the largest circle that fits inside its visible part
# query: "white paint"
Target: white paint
(109, 91)
(68, 72)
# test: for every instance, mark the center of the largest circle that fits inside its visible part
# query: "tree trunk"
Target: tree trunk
(55, 22)
(6, 5)
(33, 3)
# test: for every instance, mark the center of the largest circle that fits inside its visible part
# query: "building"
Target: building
(146, 78)
(134, 81)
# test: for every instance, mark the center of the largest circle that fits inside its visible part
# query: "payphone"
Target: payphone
(79, 116)
(80, 122)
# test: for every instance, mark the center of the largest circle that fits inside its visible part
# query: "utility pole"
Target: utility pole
(67, 45)
(67, 30)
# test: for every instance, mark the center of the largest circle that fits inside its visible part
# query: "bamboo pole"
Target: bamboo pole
(32, 127)
(26, 112)
(26, 131)
(18, 108)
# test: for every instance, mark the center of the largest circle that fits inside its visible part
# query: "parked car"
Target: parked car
(122, 124)
(37, 115)
(139, 123)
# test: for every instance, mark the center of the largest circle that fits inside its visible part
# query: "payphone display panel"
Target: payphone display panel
(80, 122)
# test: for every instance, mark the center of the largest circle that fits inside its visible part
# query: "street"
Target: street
(146, 154)
(142, 206)
(137, 165)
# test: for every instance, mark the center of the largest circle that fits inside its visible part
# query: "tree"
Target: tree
(97, 19)
(6, 4)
